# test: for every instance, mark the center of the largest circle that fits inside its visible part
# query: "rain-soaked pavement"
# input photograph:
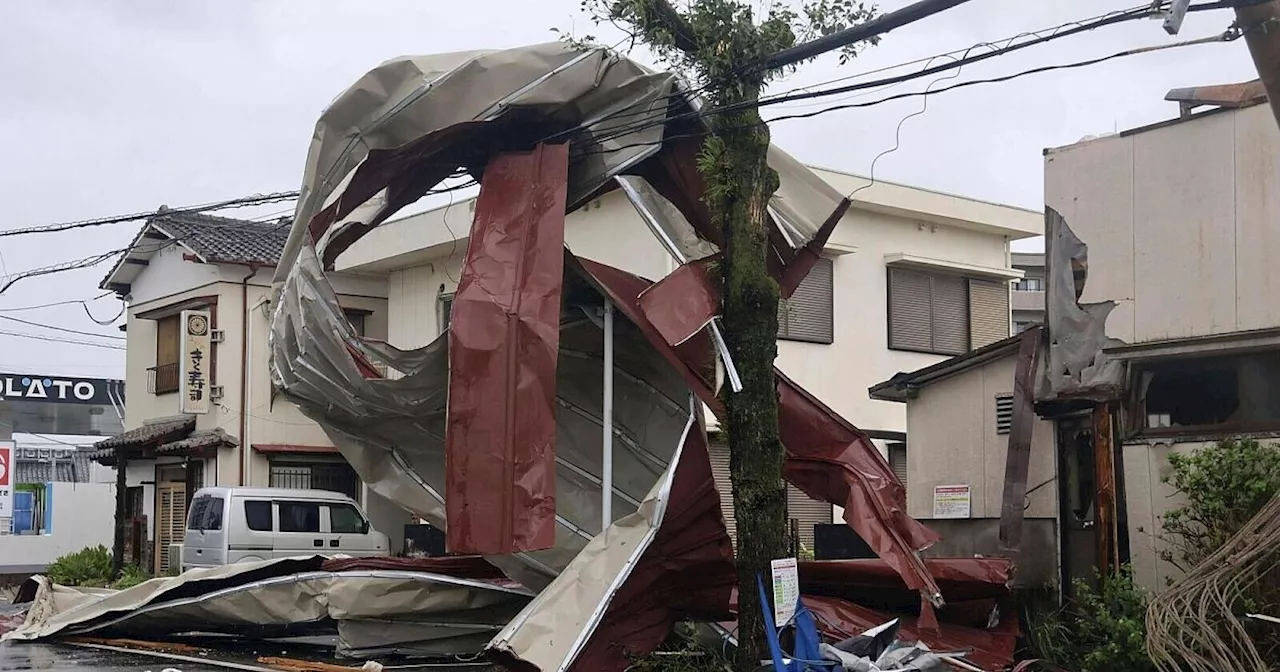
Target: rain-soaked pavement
(64, 658)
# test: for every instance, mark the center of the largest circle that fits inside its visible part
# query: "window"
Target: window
(945, 314)
(257, 514)
(1004, 413)
(299, 517)
(345, 519)
(446, 309)
(205, 514)
(1028, 285)
(164, 375)
(808, 315)
(898, 461)
(317, 474)
(1224, 393)
(356, 318)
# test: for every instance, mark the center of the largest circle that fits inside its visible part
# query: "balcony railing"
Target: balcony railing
(162, 379)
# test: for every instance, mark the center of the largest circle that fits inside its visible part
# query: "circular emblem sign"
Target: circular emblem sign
(197, 325)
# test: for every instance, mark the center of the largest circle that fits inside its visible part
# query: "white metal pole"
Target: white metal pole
(606, 462)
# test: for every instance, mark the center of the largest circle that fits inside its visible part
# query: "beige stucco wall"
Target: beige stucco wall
(952, 440)
(1180, 223)
(169, 279)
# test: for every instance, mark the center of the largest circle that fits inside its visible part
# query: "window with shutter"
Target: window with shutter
(988, 312)
(809, 314)
(928, 312)
(898, 461)
(1004, 413)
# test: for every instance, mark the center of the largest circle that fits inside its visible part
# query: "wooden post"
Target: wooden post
(1104, 465)
(1261, 24)
(1018, 459)
(122, 512)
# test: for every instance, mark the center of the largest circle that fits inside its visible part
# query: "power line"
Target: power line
(81, 302)
(242, 202)
(662, 118)
(52, 339)
(62, 329)
(1225, 37)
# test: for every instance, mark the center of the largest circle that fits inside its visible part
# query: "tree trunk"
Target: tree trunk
(738, 196)
(122, 499)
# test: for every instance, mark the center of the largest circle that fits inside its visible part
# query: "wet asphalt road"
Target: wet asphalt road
(63, 658)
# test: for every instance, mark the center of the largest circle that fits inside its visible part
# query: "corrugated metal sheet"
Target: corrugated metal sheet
(809, 314)
(950, 315)
(910, 310)
(988, 312)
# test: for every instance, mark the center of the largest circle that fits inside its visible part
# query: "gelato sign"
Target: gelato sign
(27, 387)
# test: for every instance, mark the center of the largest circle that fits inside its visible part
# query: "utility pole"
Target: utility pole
(1261, 23)
(864, 31)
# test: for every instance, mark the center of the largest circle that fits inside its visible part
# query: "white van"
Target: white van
(230, 525)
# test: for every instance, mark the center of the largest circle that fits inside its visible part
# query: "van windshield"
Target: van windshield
(206, 514)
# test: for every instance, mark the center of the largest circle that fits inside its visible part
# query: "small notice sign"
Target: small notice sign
(786, 590)
(6, 479)
(951, 501)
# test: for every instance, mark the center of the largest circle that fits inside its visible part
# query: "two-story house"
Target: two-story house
(212, 418)
(908, 278)
(1162, 334)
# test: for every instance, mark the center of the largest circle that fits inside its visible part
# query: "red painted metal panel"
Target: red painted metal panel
(503, 341)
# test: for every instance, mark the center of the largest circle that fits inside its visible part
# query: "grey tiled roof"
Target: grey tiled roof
(222, 239)
(156, 432)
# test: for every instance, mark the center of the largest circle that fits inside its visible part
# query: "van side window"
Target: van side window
(299, 517)
(345, 519)
(257, 514)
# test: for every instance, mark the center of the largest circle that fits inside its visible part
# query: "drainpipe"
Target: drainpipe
(244, 371)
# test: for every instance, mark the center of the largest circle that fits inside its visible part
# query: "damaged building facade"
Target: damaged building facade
(908, 277)
(1161, 335)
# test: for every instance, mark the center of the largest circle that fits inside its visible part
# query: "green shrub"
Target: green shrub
(1100, 630)
(131, 576)
(86, 567)
(1225, 485)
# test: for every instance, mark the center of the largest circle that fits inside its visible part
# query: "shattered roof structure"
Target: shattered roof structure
(548, 354)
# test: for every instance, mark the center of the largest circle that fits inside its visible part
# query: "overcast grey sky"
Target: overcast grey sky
(114, 106)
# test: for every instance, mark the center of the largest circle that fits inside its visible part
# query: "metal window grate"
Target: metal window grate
(1004, 413)
(331, 476)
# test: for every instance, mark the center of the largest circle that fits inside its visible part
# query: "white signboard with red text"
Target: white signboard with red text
(6, 479)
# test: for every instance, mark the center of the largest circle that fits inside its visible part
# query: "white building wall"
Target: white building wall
(83, 515)
(1179, 220)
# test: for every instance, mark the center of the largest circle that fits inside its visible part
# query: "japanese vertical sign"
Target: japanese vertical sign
(6, 479)
(194, 383)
